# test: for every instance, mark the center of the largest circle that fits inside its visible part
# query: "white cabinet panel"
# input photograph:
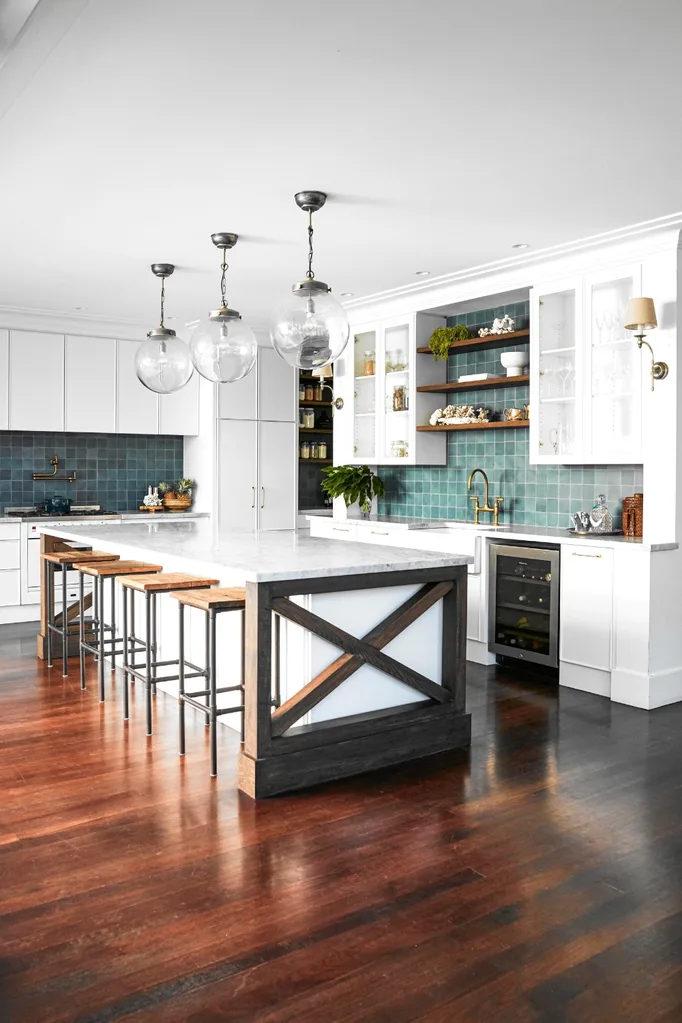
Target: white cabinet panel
(239, 400)
(277, 454)
(237, 474)
(586, 605)
(90, 382)
(277, 388)
(179, 412)
(36, 400)
(4, 379)
(9, 554)
(10, 589)
(137, 408)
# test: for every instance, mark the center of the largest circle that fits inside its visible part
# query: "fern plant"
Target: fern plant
(353, 483)
(443, 337)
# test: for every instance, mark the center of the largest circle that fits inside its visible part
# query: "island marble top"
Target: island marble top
(256, 556)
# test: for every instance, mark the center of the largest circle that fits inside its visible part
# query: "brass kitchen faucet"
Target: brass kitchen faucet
(485, 506)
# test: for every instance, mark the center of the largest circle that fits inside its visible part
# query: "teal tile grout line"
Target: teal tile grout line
(543, 495)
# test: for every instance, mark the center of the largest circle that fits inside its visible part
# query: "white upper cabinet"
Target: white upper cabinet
(36, 397)
(239, 400)
(90, 384)
(137, 407)
(277, 388)
(4, 380)
(586, 377)
(179, 412)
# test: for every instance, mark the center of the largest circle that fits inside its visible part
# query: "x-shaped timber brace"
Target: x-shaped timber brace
(280, 755)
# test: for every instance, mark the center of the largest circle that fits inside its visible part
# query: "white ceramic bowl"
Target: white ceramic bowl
(514, 362)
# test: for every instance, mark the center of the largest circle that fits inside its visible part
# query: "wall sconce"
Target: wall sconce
(640, 315)
(325, 373)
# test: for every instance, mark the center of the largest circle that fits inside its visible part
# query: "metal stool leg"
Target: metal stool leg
(212, 692)
(81, 628)
(207, 662)
(65, 626)
(49, 596)
(113, 623)
(100, 584)
(131, 654)
(148, 657)
(155, 647)
(242, 680)
(181, 673)
(126, 684)
(95, 612)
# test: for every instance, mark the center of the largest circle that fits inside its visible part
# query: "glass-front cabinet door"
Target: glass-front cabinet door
(613, 375)
(396, 386)
(556, 367)
(364, 395)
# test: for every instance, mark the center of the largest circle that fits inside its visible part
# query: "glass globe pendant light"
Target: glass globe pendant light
(310, 329)
(223, 348)
(163, 362)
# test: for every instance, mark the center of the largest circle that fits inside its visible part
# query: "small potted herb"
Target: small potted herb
(177, 497)
(354, 483)
(443, 337)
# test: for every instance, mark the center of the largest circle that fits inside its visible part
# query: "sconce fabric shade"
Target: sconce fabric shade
(323, 372)
(640, 313)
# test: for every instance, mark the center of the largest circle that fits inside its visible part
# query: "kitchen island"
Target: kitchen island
(372, 651)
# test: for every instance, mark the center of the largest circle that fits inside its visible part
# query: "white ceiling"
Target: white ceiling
(443, 130)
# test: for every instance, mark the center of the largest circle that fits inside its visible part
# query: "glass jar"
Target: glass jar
(309, 418)
(301, 391)
(322, 449)
(399, 449)
(317, 392)
(305, 449)
(368, 364)
(314, 449)
(309, 392)
(399, 398)
(301, 417)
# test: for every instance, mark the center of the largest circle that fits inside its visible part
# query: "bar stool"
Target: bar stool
(214, 602)
(151, 586)
(99, 572)
(66, 561)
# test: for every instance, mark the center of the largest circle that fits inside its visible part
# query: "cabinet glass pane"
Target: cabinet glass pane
(557, 373)
(397, 391)
(364, 395)
(615, 370)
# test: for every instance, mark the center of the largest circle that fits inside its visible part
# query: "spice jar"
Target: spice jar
(309, 392)
(317, 392)
(301, 391)
(305, 449)
(309, 418)
(314, 449)
(368, 365)
(322, 449)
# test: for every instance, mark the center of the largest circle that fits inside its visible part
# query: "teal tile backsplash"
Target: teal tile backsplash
(533, 494)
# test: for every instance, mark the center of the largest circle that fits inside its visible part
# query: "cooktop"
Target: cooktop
(76, 512)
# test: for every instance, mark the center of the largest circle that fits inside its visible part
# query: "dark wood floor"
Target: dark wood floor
(537, 877)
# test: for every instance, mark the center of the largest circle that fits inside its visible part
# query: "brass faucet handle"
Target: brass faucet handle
(476, 508)
(497, 502)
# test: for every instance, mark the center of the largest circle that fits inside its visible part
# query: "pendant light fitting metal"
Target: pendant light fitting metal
(162, 270)
(310, 202)
(224, 240)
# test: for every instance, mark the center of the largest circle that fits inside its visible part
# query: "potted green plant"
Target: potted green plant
(354, 483)
(443, 337)
(177, 497)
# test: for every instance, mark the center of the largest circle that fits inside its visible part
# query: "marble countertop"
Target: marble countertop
(133, 515)
(256, 557)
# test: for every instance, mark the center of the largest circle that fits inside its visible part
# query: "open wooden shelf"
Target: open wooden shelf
(512, 424)
(317, 461)
(474, 385)
(477, 344)
(304, 404)
(316, 429)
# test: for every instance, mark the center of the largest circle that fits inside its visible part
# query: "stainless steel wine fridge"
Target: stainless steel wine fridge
(523, 612)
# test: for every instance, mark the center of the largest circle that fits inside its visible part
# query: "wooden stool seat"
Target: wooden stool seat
(66, 557)
(229, 598)
(165, 581)
(107, 568)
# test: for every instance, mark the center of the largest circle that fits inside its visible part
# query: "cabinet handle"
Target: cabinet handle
(574, 554)
(262, 497)
(341, 529)
(253, 497)
(378, 532)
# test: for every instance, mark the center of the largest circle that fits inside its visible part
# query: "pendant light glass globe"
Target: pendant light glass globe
(163, 362)
(223, 348)
(310, 329)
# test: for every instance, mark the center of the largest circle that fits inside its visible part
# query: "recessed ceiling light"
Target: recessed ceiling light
(347, 294)
(80, 308)
(521, 245)
(422, 273)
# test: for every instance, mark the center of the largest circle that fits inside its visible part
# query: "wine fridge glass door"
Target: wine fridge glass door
(524, 603)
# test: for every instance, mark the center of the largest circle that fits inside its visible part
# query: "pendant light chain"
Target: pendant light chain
(310, 275)
(223, 283)
(163, 299)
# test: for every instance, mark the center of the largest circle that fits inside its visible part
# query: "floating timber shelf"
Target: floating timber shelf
(477, 344)
(316, 461)
(303, 404)
(511, 424)
(316, 429)
(474, 385)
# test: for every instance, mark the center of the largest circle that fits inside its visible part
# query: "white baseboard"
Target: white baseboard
(478, 652)
(648, 691)
(587, 680)
(19, 613)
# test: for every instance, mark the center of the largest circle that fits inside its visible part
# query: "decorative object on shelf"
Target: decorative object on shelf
(526, 410)
(457, 415)
(443, 337)
(223, 347)
(399, 449)
(633, 509)
(640, 316)
(310, 329)
(501, 325)
(369, 364)
(473, 377)
(400, 400)
(601, 520)
(152, 499)
(163, 362)
(513, 413)
(514, 363)
(353, 483)
(177, 497)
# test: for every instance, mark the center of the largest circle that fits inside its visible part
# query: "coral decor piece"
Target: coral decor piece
(501, 325)
(459, 415)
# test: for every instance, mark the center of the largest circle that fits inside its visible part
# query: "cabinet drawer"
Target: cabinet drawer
(10, 588)
(9, 530)
(9, 554)
(335, 530)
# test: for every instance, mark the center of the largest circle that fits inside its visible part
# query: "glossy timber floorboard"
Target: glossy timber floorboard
(536, 878)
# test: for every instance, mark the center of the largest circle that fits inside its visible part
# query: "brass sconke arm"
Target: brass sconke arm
(54, 462)
(659, 370)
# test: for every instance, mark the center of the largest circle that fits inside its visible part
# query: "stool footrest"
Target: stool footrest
(205, 710)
